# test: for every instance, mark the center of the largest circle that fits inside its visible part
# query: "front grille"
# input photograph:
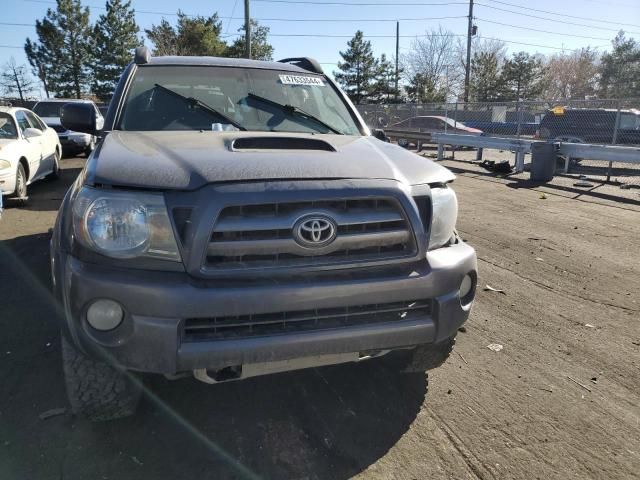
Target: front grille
(245, 326)
(262, 236)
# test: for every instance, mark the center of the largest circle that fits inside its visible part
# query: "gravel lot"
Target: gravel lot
(560, 400)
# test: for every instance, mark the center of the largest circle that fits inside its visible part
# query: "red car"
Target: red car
(432, 124)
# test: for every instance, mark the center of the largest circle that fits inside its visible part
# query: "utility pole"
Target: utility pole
(247, 30)
(467, 70)
(397, 55)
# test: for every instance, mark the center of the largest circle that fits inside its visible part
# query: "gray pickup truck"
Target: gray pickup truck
(237, 218)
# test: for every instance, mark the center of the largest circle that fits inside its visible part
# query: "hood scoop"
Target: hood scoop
(280, 143)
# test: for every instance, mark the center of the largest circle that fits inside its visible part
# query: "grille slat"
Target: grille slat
(244, 326)
(261, 236)
(290, 246)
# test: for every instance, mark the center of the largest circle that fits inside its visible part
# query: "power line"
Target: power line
(18, 24)
(568, 15)
(551, 19)
(358, 4)
(322, 20)
(357, 19)
(542, 31)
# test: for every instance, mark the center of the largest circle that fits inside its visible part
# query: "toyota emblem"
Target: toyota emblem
(315, 231)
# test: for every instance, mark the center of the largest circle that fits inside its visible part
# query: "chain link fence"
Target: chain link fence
(601, 122)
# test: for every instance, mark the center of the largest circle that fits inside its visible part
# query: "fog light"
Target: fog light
(466, 289)
(105, 315)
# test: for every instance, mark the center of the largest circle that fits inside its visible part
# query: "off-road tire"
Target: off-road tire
(425, 357)
(97, 390)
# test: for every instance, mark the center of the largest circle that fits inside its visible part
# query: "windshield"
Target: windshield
(48, 109)
(7, 127)
(223, 98)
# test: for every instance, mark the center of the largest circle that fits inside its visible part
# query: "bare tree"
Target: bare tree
(16, 79)
(572, 75)
(431, 61)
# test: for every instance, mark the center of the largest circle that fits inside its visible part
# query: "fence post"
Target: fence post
(614, 139)
(519, 161)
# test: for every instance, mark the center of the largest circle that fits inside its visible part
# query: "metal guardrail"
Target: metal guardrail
(521, 146)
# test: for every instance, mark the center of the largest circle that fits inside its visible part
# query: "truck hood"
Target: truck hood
(189, 160)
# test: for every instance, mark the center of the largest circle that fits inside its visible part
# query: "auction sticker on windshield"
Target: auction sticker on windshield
(301, 80)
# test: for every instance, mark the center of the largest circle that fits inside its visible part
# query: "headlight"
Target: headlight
(444, 216)
(5, 164)
(124, 224)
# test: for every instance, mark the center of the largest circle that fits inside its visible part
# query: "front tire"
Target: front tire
(97, 390)
(55, 173)
(20, 191)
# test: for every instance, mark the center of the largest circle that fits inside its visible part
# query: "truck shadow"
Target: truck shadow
(330, 422)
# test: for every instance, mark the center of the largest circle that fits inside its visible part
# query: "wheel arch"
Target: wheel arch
(25, 164)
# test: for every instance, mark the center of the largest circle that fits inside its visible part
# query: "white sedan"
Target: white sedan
(29, 151)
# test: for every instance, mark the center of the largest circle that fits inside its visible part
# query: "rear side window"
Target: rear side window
(628, 121)
(48, 109)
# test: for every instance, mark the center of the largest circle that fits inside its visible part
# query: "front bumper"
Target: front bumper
(74, 141)
(7, 181)
(156, 304)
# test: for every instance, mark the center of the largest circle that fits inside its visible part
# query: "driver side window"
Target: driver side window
(23, 121)
(33, 120)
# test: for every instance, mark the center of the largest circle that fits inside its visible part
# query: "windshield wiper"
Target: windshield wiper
(293, 110)
(194, 102)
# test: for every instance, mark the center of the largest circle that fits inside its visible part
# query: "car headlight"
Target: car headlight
(123, 225)
(444, 216)
(5, 164)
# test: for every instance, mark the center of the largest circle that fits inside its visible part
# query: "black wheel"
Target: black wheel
(55, 173)
(423, 357)
(95, 389)
(403, 142)
(91, 147)
(20, 191)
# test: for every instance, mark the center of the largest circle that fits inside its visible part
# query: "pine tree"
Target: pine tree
(261, 49)
(522, 77)
(116, 36)
(63, 52)
(422, 89)
(358, 70)
(384, 88)
(486, 81)
(193, 36)
(620, 69)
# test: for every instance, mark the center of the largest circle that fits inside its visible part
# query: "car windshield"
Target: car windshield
(48, 109)
(224, 98)
(7, 127)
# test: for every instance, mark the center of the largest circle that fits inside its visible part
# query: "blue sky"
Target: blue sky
(491, 19)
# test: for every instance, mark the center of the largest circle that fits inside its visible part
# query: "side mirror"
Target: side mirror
(80, 117)
(31, 133)
(380, 135)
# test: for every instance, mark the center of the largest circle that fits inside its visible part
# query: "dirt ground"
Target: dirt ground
(561, 399)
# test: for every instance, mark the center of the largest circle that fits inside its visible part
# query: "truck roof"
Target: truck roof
(226, 62)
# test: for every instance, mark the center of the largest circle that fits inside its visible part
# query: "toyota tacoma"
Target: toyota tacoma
(237, 218)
